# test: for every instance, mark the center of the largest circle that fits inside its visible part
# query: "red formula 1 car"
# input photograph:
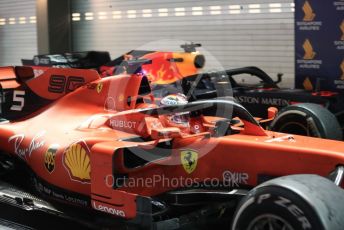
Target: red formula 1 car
(101, 144)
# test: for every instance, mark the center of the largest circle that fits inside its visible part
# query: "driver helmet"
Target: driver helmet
(177, 119)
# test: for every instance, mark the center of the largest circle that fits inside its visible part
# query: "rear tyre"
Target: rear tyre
(308, 119)
(292, 203)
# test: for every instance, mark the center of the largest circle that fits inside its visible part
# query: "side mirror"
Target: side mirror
(272, 112)
(165, 133)
(279, 78)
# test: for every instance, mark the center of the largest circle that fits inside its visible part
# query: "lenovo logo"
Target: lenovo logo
(109, 210)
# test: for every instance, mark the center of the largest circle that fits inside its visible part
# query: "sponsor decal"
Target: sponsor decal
(308, 11)
(308, 22)
(76, 160)
(99, 87)
(25, 151)
(57, 194)
(309, 52)
(122, 124)
(36, 60)
(289, 138)
(308, 61)
(38, 72)
(49, 157)
(262, 101)
(339, 5)
(235, 179)
(91, 86)
(109, 104)
(189, 160)
(42, 61)
(107, 209)
(339, 44)
(340, 83)
(307, 84)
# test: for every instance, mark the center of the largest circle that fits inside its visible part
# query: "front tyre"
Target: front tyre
(307, 119)
(292, 203)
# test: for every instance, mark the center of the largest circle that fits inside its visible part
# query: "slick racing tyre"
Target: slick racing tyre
(309, 120)
(292, 203)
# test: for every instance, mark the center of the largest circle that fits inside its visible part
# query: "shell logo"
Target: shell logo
(77, 162)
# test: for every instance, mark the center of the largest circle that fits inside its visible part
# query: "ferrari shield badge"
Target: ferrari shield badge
(189, 160)
(99, 87)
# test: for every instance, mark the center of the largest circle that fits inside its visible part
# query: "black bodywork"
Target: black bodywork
(80, 60)
(19, 101)
(257, 98)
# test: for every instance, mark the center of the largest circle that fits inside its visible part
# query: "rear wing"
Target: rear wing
(208, 87)
(80, 60)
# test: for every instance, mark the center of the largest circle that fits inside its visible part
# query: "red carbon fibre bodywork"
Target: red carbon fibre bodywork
(77, 141)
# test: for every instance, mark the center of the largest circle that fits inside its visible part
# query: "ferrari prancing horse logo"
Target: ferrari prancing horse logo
(99, 87)
(189, 160)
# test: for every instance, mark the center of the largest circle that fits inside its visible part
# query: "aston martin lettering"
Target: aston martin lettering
(275, 101)
(249, 100)
(264, 101)
(22, 151)
(123, 124)
(109, 210)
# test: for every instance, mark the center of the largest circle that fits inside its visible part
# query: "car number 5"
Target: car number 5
(18, 97)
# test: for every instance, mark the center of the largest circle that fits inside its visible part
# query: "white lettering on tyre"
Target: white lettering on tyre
(263, 197)
(295, 211)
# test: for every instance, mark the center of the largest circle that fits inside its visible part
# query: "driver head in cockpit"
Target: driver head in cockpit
(180, 120)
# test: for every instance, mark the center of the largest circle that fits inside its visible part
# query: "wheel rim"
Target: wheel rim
(295, 128)
(269, 222)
